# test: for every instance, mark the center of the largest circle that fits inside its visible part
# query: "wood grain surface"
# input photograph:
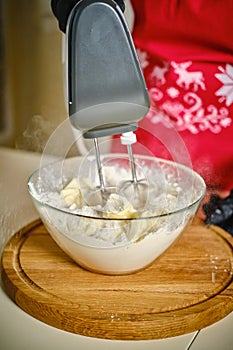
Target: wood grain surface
(187, 288)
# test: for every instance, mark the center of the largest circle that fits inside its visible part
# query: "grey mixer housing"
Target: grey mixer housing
(107, 93)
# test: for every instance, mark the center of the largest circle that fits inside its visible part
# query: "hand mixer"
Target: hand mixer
(106, 88)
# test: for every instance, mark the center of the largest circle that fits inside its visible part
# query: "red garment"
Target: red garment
(186, 52)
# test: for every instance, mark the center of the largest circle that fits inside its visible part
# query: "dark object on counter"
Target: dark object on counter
(62, 9)
(219, 211)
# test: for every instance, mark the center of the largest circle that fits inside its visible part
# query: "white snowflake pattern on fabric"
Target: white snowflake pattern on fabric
(173, 92)
(226, 91)
(184, 109)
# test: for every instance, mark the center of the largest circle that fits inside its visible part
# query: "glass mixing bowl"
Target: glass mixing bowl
(117, 244)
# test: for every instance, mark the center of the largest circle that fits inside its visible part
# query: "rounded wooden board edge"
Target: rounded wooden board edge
(152, 326)
(15, 240)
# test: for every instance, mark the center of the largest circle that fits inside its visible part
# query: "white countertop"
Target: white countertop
(19, 331)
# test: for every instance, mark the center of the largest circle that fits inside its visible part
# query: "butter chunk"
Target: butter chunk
(72, 194)
(119, 207)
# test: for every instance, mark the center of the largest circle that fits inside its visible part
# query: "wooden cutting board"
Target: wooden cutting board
(188, 288)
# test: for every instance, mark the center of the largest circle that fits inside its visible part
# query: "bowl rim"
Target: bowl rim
(161, 215)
